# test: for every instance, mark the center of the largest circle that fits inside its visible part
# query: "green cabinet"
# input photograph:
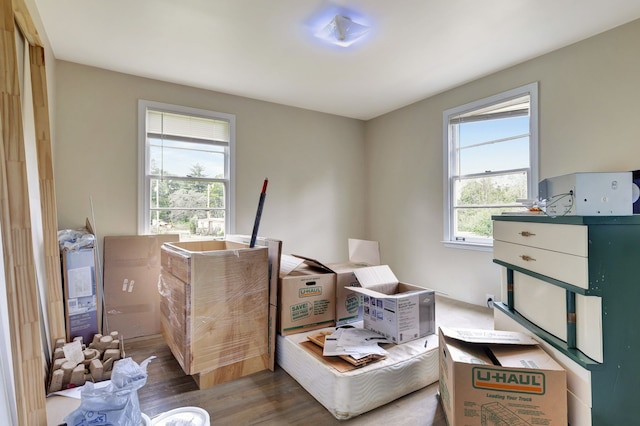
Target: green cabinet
(574, 283)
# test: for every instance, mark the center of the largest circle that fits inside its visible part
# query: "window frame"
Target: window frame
(144, 158)
(450, 157)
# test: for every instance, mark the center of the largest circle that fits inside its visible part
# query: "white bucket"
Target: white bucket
(146, 421)
(184, 416)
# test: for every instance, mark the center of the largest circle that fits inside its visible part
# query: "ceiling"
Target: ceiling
(266, 50)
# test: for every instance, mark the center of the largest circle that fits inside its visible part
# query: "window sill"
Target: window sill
(468, 246)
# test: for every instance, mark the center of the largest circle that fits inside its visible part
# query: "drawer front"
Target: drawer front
(561, 266)
(177, 264)
(589, 326)
(542, 303)
(570, 239)
(578, 378)
(545, 305)
(174, 311)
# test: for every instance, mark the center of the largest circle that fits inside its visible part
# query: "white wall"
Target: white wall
(589, 121)
(314, 161)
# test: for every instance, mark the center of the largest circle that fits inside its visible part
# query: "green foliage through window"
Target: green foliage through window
(188, 169)
(491, 162)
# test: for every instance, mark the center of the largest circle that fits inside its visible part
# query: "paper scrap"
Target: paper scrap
(356, 342)
(73, 352)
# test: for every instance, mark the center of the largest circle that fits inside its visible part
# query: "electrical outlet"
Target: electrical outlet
(490, 299)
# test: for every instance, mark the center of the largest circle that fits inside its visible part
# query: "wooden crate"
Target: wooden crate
(214, 308)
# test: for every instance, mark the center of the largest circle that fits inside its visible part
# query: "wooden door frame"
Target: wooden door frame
(23, 304)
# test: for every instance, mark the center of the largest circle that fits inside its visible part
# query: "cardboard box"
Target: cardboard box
(399, 311)
(214, 308)
(490, 377)
(131, 272)
(307, 291)
(348, 302)
(81, 293)
(362, 254)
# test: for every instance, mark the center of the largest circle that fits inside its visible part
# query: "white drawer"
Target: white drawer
(545, 305)
(578, 378)
(589, 326)
(570, 239)
(542, 303)
(569, 268)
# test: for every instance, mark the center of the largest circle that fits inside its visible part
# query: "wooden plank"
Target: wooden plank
(55, 301)
(25, 23)
(22, 298)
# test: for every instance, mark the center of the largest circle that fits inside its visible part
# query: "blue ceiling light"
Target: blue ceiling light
(342, 31)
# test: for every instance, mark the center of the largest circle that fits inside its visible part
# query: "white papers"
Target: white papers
(73, 352)
(77, 391)
(80, 282)
(356, 342)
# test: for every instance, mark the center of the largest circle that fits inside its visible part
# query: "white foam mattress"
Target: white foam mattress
(407, 368)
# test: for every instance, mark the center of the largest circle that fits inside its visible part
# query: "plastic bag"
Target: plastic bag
(115, 404)
(72, 240)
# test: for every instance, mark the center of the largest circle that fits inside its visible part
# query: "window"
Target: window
(491, 162)
(186, 171)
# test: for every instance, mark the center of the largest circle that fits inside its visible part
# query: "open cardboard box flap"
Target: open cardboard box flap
(289, 263)
(363, 251)
(496, 347)
(359, 251)
(314, 264)
(376, 280)
(472, 335)
(500, 376)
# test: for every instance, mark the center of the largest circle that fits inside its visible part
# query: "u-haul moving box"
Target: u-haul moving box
(307, 292)
(399, 311)
(501, 378)
(362, 254)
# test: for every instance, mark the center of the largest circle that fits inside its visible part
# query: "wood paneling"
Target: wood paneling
(54, 298)
(22, 295)
(15, 217)
(25, 23)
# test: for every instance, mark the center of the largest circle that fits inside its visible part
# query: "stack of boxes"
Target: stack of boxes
(313, 296)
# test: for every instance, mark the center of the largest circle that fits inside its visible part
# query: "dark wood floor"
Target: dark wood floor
(264, 398)
(274, 398)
